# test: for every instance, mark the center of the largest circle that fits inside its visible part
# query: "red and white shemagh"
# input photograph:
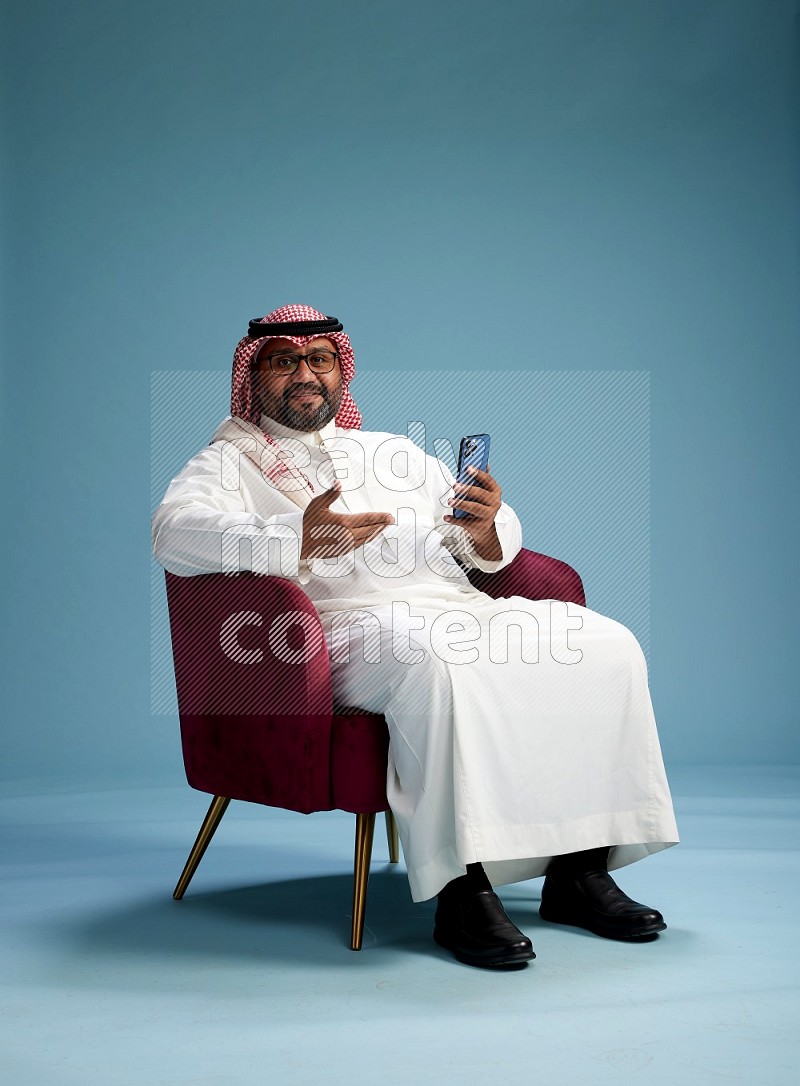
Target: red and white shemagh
(243, 403)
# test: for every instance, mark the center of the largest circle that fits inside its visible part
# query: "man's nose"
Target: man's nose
(304, 371)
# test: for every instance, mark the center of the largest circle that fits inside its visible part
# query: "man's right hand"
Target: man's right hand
(327, 534)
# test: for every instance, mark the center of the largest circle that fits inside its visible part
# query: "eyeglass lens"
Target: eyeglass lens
(318, 362)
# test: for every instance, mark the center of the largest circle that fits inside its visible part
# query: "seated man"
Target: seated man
(503, 765)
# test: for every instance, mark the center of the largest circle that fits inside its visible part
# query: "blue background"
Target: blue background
(529, 186)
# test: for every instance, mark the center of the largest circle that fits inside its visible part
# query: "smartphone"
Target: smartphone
(473, 450)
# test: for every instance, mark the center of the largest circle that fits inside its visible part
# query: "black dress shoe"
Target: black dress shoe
(478, 932)
(592, 900)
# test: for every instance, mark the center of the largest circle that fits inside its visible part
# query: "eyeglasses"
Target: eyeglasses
(284, 363)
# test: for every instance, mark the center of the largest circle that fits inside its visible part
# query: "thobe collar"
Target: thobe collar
(354, 497)
(313, 438)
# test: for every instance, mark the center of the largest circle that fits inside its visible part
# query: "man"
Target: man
(503, 765)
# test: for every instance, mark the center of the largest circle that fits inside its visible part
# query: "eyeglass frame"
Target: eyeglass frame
(297, 357)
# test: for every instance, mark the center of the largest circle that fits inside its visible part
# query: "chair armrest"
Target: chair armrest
(534, 576)
(254, 689)
(244, 643)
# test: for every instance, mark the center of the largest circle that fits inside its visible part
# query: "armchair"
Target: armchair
(257, 717)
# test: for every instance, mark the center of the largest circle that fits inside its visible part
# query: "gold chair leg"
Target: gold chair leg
(392, 838)
(365, 827)
(219, 805)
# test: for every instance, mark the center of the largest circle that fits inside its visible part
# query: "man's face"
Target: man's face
(305, 399)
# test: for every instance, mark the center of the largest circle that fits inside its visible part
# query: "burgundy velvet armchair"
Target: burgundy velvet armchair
(257, 717)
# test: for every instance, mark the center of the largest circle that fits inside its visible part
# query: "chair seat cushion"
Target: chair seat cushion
(359, 752)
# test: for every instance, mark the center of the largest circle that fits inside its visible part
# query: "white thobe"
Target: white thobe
(519, 729)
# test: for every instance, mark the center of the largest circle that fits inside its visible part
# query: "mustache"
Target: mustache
(319, 389)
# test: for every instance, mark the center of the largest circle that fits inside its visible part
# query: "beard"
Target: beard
(304, 416)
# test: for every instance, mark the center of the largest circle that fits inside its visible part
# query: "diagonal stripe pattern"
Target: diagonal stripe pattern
(572, 454)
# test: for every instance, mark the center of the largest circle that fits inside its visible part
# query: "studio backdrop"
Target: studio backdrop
(568, 223)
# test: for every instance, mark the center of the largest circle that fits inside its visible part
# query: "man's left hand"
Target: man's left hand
(481, 502)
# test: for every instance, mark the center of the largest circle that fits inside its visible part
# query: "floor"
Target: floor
(105, 979)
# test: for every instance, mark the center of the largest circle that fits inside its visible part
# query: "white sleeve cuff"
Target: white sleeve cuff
(509, 532)
(287, 530)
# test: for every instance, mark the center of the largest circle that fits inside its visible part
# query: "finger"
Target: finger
(482, 477)
(476, 509)
(366, 531)
(373, 535)
(462, 521)
(477, 494)
(331, 532)
(334, 538)
(474, 494)
(365, 520)
(357, 537)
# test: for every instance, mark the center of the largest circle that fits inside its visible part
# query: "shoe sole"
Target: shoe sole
(606, 933)
(509, 961)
